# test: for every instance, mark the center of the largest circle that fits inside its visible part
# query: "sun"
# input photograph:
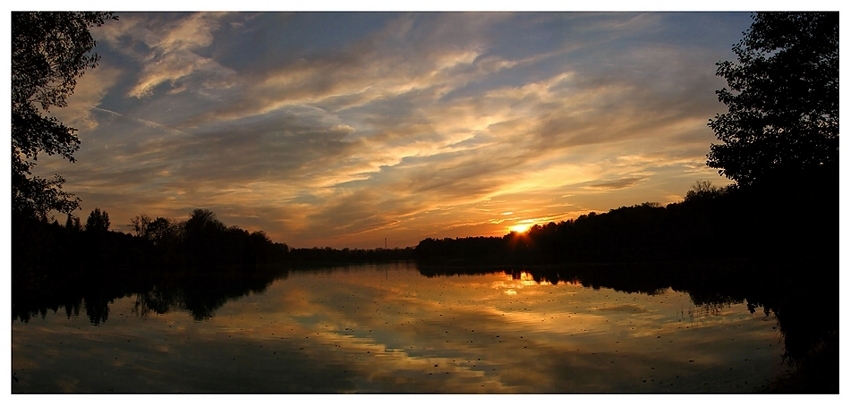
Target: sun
(521, 228)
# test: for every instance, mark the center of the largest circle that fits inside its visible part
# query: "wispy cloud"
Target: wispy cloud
(617, 184)
(343, 129)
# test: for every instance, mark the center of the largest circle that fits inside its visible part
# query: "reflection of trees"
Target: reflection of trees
(805, 306)
(715, 300)
(708, 309)
(210, 293)
(801, 293)
(199, 293)
(203, 294)
(156, 300)
(198, 265)
(97, 309)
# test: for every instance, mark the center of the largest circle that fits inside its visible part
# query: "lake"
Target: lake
(397, 328)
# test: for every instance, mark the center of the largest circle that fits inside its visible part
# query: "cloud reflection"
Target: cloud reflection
(389, 329)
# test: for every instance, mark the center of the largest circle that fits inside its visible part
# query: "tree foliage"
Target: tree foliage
(782, 99)
(73, 223)
(98, 221)
(140, 224)
(49, 52)
(703, 189)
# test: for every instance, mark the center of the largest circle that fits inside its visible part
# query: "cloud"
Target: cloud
(168, 49)
(617, 184)
(88, 94)
(345, 129)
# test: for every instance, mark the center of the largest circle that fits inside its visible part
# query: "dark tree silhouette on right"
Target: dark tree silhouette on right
(782, 99)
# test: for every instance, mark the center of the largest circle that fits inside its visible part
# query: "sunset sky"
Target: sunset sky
(342, 129)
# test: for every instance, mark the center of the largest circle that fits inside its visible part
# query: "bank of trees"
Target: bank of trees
(710, 223)
(200, 242)
(329, 256)
(204, 240)
(196, 264)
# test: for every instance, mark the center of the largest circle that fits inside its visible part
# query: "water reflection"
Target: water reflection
(385, 328)
(199, 292)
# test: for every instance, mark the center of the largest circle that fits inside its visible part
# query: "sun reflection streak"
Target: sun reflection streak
(527, 279)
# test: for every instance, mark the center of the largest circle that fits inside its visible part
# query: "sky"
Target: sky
(349, 129)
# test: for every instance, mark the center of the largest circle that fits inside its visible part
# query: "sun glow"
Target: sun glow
(521, 228)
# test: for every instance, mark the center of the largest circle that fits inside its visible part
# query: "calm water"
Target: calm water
(388, 328)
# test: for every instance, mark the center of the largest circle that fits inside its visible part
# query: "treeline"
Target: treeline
(201, 241)
(330, 256)
(206, 241)
(196, 264)
(793, 216)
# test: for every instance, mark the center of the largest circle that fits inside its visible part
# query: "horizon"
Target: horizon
(343, 129)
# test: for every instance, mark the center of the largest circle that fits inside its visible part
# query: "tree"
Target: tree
(98, 221)
(141, 225)
(703, 189)
(203, 224)
(49, 52)
(73, 223)
(161, 230)
(782, 99)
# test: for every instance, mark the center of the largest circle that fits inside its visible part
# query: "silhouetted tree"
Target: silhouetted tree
(72, 223)
(203, 222)
(703, 189)
(140, 224)
(98, 221)
(162, 230)
(49, 52)
(203, 237)
(782, 99)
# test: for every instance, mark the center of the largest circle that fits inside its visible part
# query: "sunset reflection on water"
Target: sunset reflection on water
(387, 328)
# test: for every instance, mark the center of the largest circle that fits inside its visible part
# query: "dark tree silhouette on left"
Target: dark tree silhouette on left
(50, 50)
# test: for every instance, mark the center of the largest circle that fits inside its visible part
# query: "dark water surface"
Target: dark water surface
(389, 328)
